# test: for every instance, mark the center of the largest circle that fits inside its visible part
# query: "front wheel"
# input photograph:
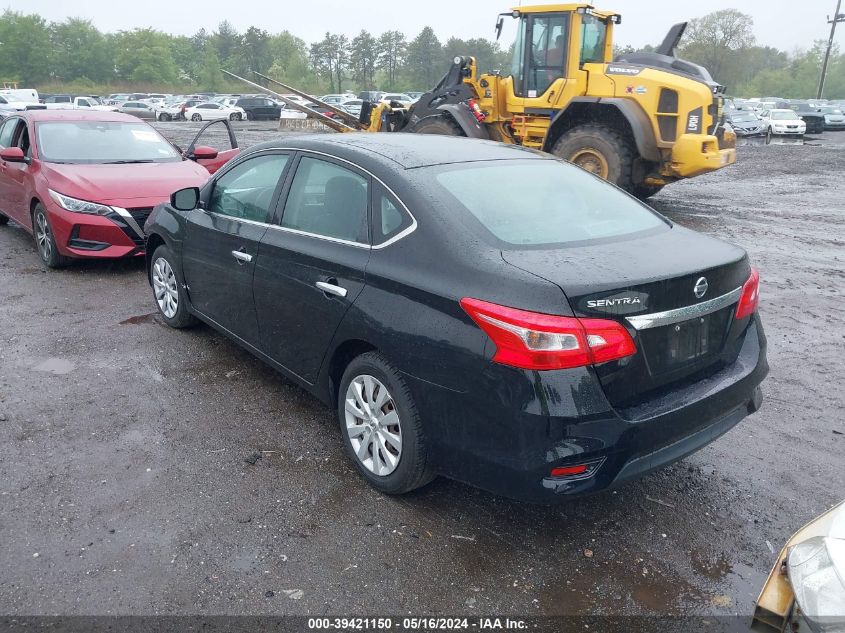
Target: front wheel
(381, 427)
(45, 240)
(599, 150)
(234, 116)
(196, 117)
(169, 292)
(438, 125)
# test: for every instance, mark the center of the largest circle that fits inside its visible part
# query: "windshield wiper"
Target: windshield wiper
(129, 162)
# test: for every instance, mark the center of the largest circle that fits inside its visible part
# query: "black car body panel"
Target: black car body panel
(492, 425)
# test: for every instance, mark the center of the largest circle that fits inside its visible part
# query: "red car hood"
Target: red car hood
(133, 185)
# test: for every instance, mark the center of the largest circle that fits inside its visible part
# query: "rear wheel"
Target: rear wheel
(381, 427)
(438, 125)
(164, 117)
(45, 240)
(599, 150)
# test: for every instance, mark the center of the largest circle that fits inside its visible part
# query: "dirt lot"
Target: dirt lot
(126, 487)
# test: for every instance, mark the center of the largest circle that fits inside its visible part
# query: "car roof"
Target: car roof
(77, 115)
(407, 151)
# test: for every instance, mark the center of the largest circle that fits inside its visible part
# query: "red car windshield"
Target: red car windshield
(102, 142)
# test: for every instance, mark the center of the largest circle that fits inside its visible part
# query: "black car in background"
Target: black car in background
(258, 108)
(746, 123)
(469, 309)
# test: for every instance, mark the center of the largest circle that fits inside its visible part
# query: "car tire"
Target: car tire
(164, 117)
(250, 117)
(234, 116)
(4, 219)
(644, 192)
(196, 117)
(45, 240)
(441, 124)
(600, 150)
(393, 432)
(169, 290)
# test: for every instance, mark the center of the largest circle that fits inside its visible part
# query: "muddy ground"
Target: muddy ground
(145, 470)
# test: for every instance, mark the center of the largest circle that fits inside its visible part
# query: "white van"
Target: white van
(30, 95)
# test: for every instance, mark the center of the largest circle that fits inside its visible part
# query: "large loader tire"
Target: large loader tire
(644, 192)
(438, 125)
(600, 150)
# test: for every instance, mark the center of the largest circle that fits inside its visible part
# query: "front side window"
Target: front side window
(246, 191)
(7, 131)
(534, 203)
(328, 200)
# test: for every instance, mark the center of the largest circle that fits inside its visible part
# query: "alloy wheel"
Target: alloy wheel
(164, 287)
(372, 424)
(43, 237)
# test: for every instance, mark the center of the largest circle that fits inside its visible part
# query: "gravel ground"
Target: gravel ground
(145, 470)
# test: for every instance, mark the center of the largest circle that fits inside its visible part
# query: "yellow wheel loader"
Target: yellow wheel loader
(641, 121)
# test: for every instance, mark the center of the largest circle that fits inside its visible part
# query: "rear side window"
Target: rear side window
(389, 217)
(541, 202)
(328, 200)
(246, 190)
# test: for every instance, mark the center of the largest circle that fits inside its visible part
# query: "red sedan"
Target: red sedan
(83, 183)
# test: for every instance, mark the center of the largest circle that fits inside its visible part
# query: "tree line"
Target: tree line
(74, 55)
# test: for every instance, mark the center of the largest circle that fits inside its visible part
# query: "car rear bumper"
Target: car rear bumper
(508, 443)
(84, 235)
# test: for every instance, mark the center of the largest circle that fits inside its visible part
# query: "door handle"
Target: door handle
(242, 257)
(331, 289)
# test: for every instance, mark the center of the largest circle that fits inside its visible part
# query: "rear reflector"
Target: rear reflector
(750, 296)
(531, 340)
(568, 471)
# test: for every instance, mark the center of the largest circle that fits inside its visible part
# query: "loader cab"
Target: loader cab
(551, 48)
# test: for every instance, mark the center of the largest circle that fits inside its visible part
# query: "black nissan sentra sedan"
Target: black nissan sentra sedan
(469, 309)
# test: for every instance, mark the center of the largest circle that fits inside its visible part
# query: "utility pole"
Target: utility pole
(837, 17)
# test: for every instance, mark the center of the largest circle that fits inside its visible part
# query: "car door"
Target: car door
(310, 265)
(223, 155)
(218, 254)
(14, 133)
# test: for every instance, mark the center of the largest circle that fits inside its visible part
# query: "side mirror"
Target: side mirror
(185, 199)
(204, 152)
(13, 155)
(499, 24)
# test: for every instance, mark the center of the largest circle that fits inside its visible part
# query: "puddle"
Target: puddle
(713, 568)
(138, 320)
(56, 366)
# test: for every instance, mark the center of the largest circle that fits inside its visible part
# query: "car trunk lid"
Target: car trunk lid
(676, 297)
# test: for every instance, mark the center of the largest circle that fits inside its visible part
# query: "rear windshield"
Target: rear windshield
(102, 142)
(542, 202)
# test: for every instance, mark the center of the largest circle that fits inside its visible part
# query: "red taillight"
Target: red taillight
(750, 296)
(530, 340)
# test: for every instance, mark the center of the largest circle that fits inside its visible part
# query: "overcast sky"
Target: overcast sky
(779, 23)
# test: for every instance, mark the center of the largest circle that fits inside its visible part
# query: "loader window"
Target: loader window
(540, 53)
(593, 34)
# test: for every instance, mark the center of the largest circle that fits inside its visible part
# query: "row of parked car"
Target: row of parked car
(779, 117)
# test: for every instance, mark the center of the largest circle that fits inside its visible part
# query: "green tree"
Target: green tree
(211, 78)
(392, 51)
(144, 56)
(329, 58)
(718, 42)
(25, 48)
(290, 61)
(80, 50)
(363, 58)
(423, 61)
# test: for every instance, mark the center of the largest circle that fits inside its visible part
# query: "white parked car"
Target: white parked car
(352, 106)
(210, 111)
(11, 101)
(834, 118)
(337, 99)
(782, 122)
(400, 97)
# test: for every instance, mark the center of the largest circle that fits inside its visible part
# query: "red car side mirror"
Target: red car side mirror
(15, 155)
(203, 152)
